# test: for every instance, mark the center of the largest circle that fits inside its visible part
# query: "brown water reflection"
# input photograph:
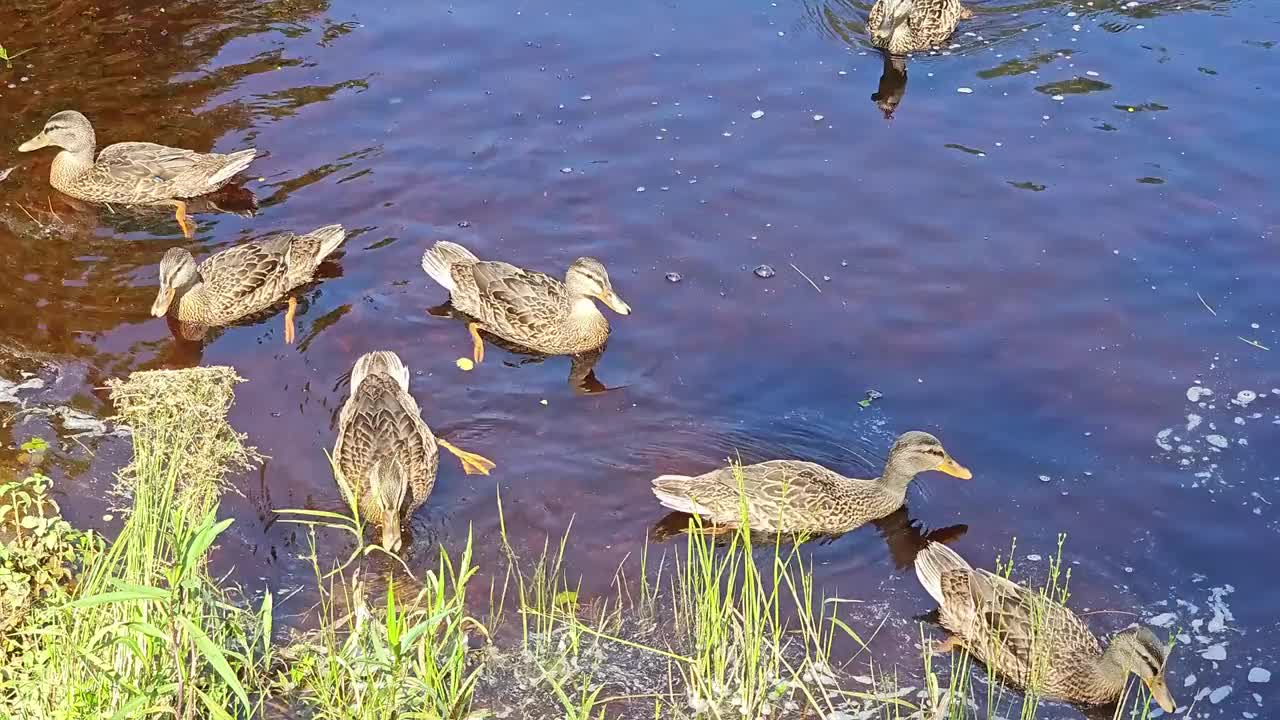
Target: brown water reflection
(1032, 297)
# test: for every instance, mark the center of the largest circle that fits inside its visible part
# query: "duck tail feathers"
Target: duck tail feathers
(932, 562)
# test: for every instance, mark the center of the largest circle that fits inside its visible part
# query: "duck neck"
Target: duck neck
(1110, 673)
(585, 317)
(71, 164)
(897, 477)
(190, 301)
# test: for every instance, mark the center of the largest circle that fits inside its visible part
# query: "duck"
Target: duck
(132, 173)
(242, 280)
(904, 26)
(1009, 626)
(795, 496)
(525, 307)
(385, 452)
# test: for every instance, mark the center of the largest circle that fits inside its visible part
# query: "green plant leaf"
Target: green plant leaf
(212, 706)
(199, 544)
(140, 593)
(213, 654)
(35, 445)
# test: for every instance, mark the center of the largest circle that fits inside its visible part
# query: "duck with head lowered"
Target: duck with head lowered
(132, 173)
(794, 496)
(1034, 641)
(386, 453)
(905, 26)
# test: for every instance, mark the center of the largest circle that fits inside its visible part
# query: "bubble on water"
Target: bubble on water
(639, 188)
(585, 98)
(757, 115)
(764, 271)
(818, 118)
(1244, 397)
(964, 90)
(566, 170)
(1195, 392)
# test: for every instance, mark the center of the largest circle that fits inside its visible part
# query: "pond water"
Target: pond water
(1068, 223)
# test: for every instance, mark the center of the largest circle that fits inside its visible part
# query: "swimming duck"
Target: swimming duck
(1023, 635)
(904, 26)
(384, 450)
(242, 280)
(525, 307)
(132, 173)
(798, 496)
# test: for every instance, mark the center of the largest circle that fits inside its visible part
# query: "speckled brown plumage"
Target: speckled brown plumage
(904, 26)
(799, 496)
(525, 307)
(1033, 641)
(241, 280)
(383, 442)
(133, 173)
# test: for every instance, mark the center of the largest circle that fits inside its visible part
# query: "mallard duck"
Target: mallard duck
(525, 307)
(1021, 634)
(798, 496)
(385, 452)
(904, 26)
(132, 173)
(242, 280)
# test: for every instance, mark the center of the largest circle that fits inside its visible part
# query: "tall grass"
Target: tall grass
(146, 631)
(402, 659)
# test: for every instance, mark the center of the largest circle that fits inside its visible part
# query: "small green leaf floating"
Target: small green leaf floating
(872, 396)
(35, 445)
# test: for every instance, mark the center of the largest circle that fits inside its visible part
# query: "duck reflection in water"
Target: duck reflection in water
(582, 373)
(893, 84)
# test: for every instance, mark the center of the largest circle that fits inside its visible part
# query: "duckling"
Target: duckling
(904, 26)
(132, 173)
(1027, 637)
(804, 497)
(525, 307)
(385, 452)
(242, 280)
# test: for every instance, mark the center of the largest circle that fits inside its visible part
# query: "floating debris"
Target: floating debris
(1215, 653)
(465, 364)
(566, 170)
(764, 271)
(640, 188)
(1195, 392)
(674, 277)
(964, 90)
(819, 118)
(5, 173)
(1217, 441)
(1163, 620)
(1219, 694)
(757, 115)
(872, 396)
(585, 98)
(1259, 675)
(464, 223)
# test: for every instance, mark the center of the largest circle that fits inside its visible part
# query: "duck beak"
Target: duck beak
(615, 303)
(1160, 692)
(163, 299)
(954, 469)
(34, 143)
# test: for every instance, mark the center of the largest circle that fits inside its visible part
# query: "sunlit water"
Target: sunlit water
(1068, 222)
